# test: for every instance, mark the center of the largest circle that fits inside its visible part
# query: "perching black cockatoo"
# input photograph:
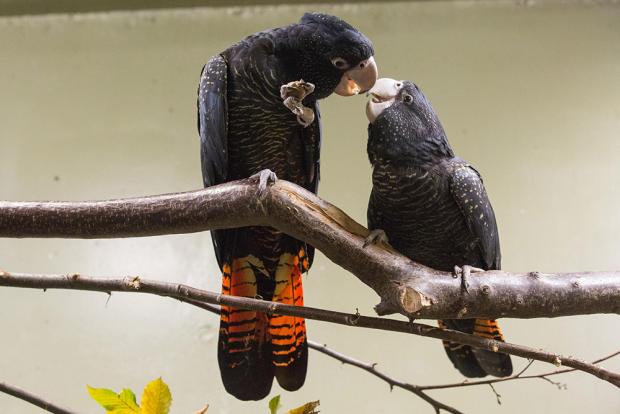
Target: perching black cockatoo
(258, 109)
(432, 205)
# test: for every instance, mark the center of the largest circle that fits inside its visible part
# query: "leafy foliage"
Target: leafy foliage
(308, 408)
(156, 399)
(123, 403)
(274, 404)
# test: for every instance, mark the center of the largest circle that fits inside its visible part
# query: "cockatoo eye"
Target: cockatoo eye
(340, 63)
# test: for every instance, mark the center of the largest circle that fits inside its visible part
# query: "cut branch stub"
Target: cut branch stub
(413, 301)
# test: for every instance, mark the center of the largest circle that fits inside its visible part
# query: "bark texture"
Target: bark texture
(404, 287)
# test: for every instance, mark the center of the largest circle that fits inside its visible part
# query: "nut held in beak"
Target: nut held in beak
(358, 79)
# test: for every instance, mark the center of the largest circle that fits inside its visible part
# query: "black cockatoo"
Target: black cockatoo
(432, 205)
(258, 109)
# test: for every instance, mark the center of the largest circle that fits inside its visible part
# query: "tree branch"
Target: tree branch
(322, 348)
(438, 406)
(179, 291)
(371, 368)
(33, 399)
(405, 287)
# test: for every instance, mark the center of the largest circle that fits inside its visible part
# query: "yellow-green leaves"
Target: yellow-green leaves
(274, 404)
(308, 408)
(123, 403)
(156, 399)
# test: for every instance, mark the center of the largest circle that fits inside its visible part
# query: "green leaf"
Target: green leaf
(274, 404)
(123, 403)
(156, 398)
(308, 408)
(129, 398)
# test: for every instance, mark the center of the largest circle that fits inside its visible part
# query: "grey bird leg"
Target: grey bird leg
(264, 177)
(376, 236)
(293, 93)
(464, 274)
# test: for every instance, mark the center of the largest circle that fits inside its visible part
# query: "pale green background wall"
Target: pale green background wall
(102, 106)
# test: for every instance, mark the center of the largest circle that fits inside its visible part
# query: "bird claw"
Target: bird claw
(296, 89)
(265, 177)
(293, 93)
(306, 118)
(464, 274)
(376, 236)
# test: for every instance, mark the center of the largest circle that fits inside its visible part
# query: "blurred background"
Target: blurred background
(101, 104)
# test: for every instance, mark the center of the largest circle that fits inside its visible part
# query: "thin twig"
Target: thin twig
(498, 396)
(517, 376)
(371, 368)
(136, 284)
(317, 346)
(419, 389)
(33, 399)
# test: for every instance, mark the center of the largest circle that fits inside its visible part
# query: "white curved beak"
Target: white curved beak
(358, 79)
(382, 96)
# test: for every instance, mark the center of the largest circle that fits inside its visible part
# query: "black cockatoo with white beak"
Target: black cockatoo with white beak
(258, 110)
(431, 206)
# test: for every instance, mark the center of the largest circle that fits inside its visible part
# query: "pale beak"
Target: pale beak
(358, 79)
(382, 96)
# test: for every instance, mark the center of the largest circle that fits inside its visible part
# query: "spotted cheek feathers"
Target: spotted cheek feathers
(321, 73)
(390, 137)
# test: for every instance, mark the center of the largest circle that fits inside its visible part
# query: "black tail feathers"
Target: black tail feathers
(472, 362)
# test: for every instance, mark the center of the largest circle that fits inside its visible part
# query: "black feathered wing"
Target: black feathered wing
(213, 131)
(468, 191)
(247, 372)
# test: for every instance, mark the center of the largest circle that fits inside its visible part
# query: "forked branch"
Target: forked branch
(403, 286)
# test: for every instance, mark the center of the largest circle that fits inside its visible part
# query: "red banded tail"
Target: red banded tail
(254, 347)
(288, 333)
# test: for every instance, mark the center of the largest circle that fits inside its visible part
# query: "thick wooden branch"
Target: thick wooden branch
(187, 293)
(404, 286)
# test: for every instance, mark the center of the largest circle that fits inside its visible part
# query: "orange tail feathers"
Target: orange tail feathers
(288, 333)
(494, 363)
(488, 328)
(243, 357)
(254, 347)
